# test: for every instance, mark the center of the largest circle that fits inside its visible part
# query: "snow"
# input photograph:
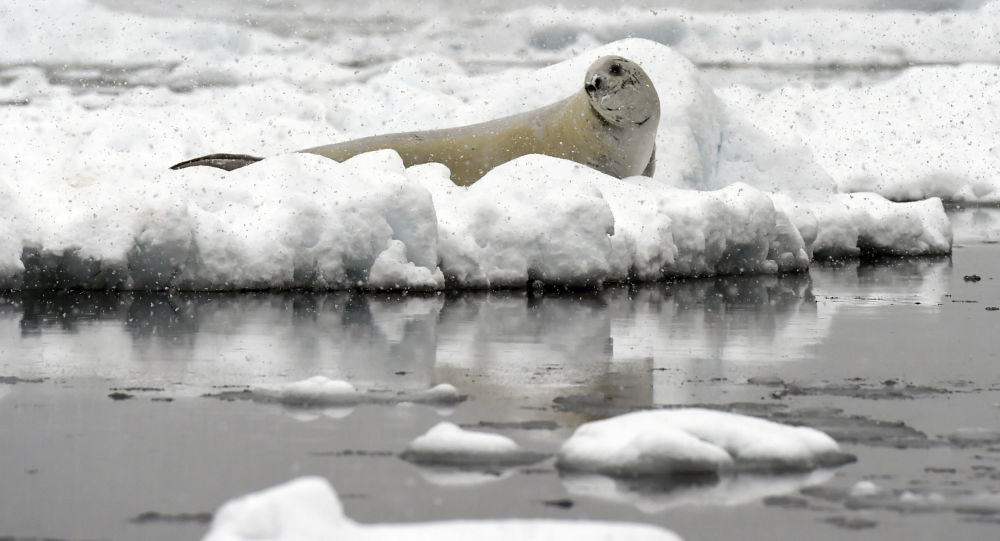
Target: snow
(745, 179)
(802, 37)
(864, 488)
(919, 135)
(448, 444)
(695, 441)
(442, 392)
(322, 391)
(772, 37)
(313, 391)
(307, 508)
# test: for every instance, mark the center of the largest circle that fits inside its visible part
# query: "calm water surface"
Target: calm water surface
(897, 359)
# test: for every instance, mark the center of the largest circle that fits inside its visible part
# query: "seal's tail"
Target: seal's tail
(220, 161)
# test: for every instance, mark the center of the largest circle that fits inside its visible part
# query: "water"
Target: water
(852, 348)
(894, 358)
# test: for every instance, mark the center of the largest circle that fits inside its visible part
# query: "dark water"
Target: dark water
(896, 359)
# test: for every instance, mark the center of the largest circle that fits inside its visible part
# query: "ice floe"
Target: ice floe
(510, 34)
(695, 441)
(447, 444)
(744, 183)
(313, 391)
(118, 220)
(323, 392)
(307, 509)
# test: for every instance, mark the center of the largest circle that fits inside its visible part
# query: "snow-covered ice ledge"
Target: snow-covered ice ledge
(97, 209)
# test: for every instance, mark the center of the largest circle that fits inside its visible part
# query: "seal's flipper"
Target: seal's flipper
(220, 161)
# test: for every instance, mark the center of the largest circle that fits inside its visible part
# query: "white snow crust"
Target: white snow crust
(307, 509)
(314, 390)
(322, 391)
(745, 182)
(695, 441)
(926, 133)
(447, 444)
(449, 437)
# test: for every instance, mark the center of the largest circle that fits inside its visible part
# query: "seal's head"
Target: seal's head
(621, 93)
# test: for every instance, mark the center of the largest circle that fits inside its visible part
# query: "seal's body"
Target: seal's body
(610, 125)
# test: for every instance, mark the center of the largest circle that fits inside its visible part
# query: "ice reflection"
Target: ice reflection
(658, 496)
(723, 320)
(893, 281)
(451, 477)
(599, 344)
(977, 224)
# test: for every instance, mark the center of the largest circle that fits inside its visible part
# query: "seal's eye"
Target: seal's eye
(615, 69)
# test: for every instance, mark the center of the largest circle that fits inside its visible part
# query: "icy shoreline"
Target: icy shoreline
(535, 221)
(88, 202)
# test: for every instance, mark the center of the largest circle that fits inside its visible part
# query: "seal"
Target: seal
(609, 124)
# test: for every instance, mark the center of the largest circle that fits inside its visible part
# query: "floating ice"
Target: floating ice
(321, 392)
(317, 390)
(442, 392)
(695, 441)
(446, 444)
(87, 202)
(787, 37)
(307, 509)
(67, 31)
(864, 488)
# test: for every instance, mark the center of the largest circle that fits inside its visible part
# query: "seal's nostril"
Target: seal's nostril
(597, 82)
(589, 87)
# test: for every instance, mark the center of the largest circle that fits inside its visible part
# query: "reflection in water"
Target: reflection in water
(452, 477)
(919, 280)
(658, 496)
(602, 343)
(977, 224)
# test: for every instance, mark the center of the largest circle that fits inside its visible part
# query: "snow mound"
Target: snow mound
(447, 444)
(317, 390)
(695, 441)
(441, 393)
(307, 509)
(919, 135)
(96, 208)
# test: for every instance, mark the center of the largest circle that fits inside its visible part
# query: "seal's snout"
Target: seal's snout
(594, 85)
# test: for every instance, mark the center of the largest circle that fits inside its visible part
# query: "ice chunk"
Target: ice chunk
(307, 509)
(447, 444)
(695, 441)
(315, 391)
(321, 391)
(88, 203)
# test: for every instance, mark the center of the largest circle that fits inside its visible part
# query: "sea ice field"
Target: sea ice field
(788, 330)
